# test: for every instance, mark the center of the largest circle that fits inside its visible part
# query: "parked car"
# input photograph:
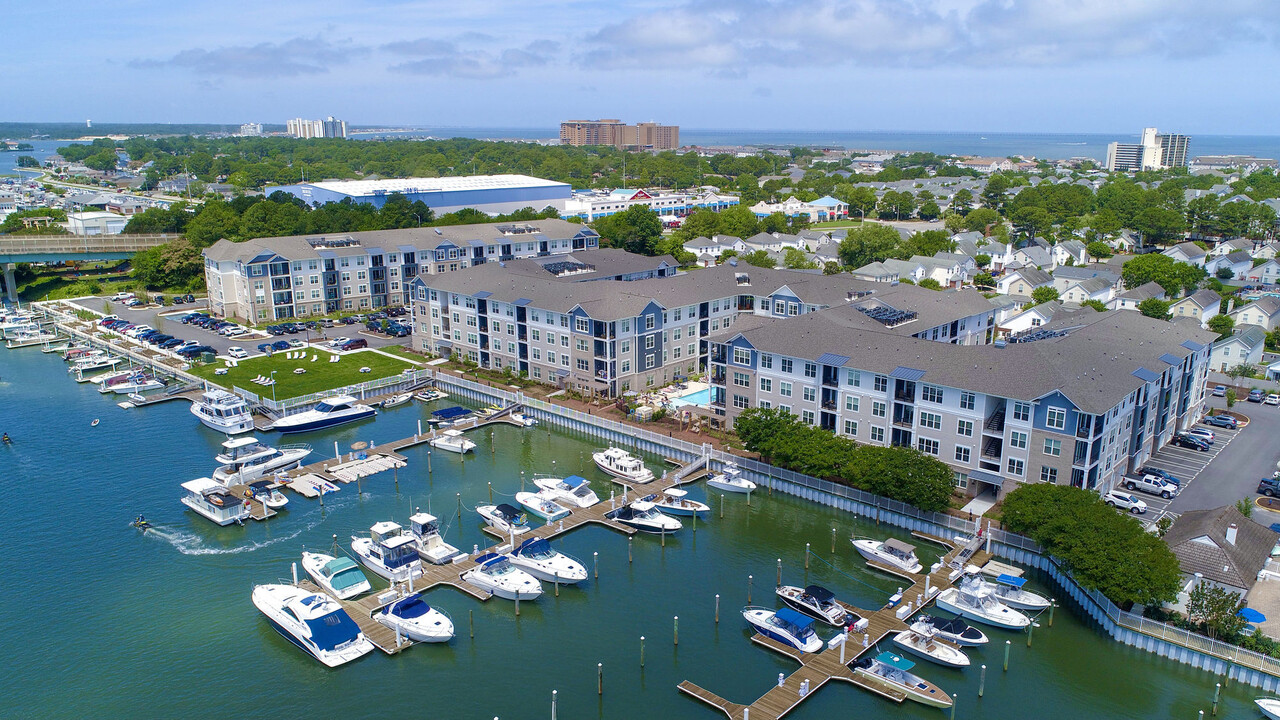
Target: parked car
(195, 350)
(1151, 470)
(1272, 399)
(1153, 485)
(1125, 501)
(338, 341)
(1204, 434)
(122, 295)
(1269, 486)
(295, 344)
(355, 344)
(178, 300)
(237, 352)
(1255, 396)
(1190, 442)
(190, 298)
(265, 348)
(1219, 390)
(1222, 421)
(398, 330)
(326, 323)
(280, 345)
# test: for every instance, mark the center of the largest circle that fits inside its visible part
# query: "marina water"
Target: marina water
(104, 621)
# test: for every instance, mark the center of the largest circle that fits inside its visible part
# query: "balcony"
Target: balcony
(993, 448)
(718, 354)
(717, 376)
(995, 423)
(831, 406)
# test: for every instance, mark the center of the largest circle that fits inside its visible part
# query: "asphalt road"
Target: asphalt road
(1234, 473)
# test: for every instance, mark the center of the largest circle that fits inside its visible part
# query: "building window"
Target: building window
(787, 366)
(931, 393)
(536, 353)
(806, 416)
(882, 383)
(648, 361)
(967, 400)
(766, 361)
(765, 404)
(851, 403)
(1053, 447)
(582, 324)
(853, 377)
(766, 385)
(932, 421)
(626, 366)
(535, 334)
(1056, 419)
(810, 370)
(1016, 467)
(851, 427)
(649, 322)
(583, 345)
(742, 356)
(551, 357)
(965, 428)
(740, 401)
(810, 394)
(927, 446)
(960, 480)
(649, 342)
(741, 379)
(784, 389)
(583, 364)
(962, 454)
(1048, 474)
(1018, 440)
(878, 409)
(1022, 411)
(877, 434)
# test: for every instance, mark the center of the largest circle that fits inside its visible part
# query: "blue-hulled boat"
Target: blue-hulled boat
(784, 625)
(332, 411)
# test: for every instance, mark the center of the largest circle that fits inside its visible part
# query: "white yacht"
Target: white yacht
(623, 465)
(212, 500)
(314, 622)
(536, 557)
(644, 516)
(110, 376)
(523, 419)
(817, 602)
(976, 601)
(542, 505)
(504, 518)
(890, 552)
(337, 410)
(90, 363)
(268, 493)
(400, 399)
(730, 480)
(894, 670)
(389, 552)
(416, 620)
(1269, 706)
(137, 382)
(496, 575)
(955, 630)
(786, 626)
(223, 411)
(674, 501)
(573, 491)
(922, 639)
(1010, 591)
(112, 380)
(430, 545)
(339, 576)
(28, 338)
(246, 458)
(453, 441)
(13, 329)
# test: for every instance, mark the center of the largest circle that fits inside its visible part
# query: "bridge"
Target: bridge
(57, 248)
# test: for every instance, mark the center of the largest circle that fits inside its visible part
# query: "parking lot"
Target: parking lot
(1234, 473)
(1187, 465)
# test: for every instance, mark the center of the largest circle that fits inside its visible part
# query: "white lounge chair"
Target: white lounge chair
(314, 357)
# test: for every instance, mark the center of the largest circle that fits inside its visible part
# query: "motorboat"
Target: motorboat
(400, 399)
(90, 364)
(573, 491)
(339, 576)
(137, 382)
(504, 518)
(542, 505)
(413, 618)
(523, 419)
(51, 348)
(818, 602)
(211, 500)
(109, 376)
(623, 465)
(955, 630)
(644, 516)
(673, 501)
(890, 552)
(1010, 591)
(223, 411)
(336, 410)
(536, 557)
(1269, 706)
(27, 338)
(496, 575)
(453, 441)
(431, 395)
(449, 416)
(730, 480)
(12, 329)
(389, 552)
(784, 625)
(246, 458)
(428, 541)
(75, 352)
(895, 671)
(315, 622)
(977, 601)
(922, 640)
(268, 493)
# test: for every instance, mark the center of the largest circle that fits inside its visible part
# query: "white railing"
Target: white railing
(358, 390)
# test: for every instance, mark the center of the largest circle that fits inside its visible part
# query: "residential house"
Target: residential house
(1030, 318)
(1064, 276)
(1130, 299)
(772, 242)
(1243, 347)
(1070, 251)
(876, 272)
(1124, 242)
(1220, 546)
(1201, 305)
(1095, 288)
(1034, 256)
(1267, 251)
(949, 269)
(1267, 273)
(907, 269)
(1189, 253)
(1226, 247)
(1263, 312)
(1238, 262)
(709, 250)
(1023, 281)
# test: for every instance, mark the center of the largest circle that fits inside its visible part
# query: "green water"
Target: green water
(104, 622)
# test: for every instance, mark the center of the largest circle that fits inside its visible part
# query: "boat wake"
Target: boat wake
(190, 543)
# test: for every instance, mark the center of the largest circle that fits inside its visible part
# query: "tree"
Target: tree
(993, 193)
(954, 223)
(1170, 274)
(739, 222)
(1154, 308)
(982, 220)
(1031, 221)
(867, 244)
(27, 161)
(636, 229)
(984, 280)
(1242, 370)
(1095, 304)
(1223, 325)
(1217, 608)
(982, 260)
(1044, 294)
(759, 258)
(929, 210)
(1160, 225)
(104, 161)
(861, 199)
(832, 267)
(1245, 506)
(962, 201)
(930, 284)
(215, 221)
(1099, 250)
(1225, 273)
(174, 264)
(795, 259)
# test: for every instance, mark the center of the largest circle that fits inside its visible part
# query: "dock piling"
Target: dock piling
(780, 567)
(1217, 690)
(1052, 604)
(595, 565)
(491, 492)
(600, 678)
(521, 481)
(553, 704)
(749, 582)
(557, 581)
(1007, 643)
(629, 549)
(833, 543)
(641, 651)
(675, 630)
(982, 681)
(471, 623)
(295, 573)
(1031, 627)
(721, 506)
(517, 604)
(954, 698)
(428, 462)
(806, 559)
(717, 608)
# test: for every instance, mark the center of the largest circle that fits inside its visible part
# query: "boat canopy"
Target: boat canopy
(508, 512)
(450, 413)
(331, 630)
(819, 593)
(575, 481)
(1011, 581)
(791, 617)
(894, 545)
(343, 573)
(895, 661)
(410, 607)
(954, 626)
(485, 558)
(674, 492)
(533, 546)
(202, 485)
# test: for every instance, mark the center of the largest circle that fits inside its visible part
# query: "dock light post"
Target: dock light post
(273, 386)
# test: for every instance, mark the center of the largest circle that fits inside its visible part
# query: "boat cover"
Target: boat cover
(485, 558)
(533, 546)
(896, 661)
(410, 607)
(1011, 581)
(791, 617)
(574, 481)
(819, 593)
(897, 546)
(450, 413)
(330, 631)
(954, 626)
(508, 512)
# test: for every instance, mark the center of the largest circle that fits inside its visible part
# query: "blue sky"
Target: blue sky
(1192, 66)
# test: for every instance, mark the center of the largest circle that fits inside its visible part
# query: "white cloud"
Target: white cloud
(463, 59)
(291, 58)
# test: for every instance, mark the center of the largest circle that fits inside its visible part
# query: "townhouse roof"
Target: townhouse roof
(1082, 272)
(1144, 292)
(1268, 304)
(1203, 299)
(1092, 285)
(1189, 250)
(1033, 276)
(1199, 540)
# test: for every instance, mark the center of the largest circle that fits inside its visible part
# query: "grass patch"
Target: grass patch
(321, 375)
(403, 352)
(835, 224)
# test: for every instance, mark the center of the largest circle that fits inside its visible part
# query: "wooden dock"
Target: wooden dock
(257, 509)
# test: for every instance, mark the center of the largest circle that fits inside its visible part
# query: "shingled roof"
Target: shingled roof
(1199, 540)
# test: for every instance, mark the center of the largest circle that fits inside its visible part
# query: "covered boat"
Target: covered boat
(819, 602)
(786, 626)
(416, 620)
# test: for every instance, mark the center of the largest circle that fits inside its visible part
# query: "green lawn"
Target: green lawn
(835, 224)
(321, 375)
(402, 351)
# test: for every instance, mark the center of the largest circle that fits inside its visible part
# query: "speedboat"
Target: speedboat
(921, 639)
(416, 620)
(730, 480)
(890, 552)
(314, 622)
(264, 492)
(27, 338)
(106, 377)
(223, 411)
(818, 602)
(400, 399)
(672, 501)
(786, 626)
(573, 491)
(1270, 707)
(1010, 591)
(542, 505)
(955, 630)
(211, 500)
(894, 670)
(504, 518)
(339, 576)
(453, 441)
(644, 516)
(976, 600)
(136, 382)
(431, 395)
(523, 419)
(496, 575)
(89, 364)
(388, 551)
(430, 545)
(247, 458)
(623, 465)
(536, 557)
(331, 411)
(75, 352)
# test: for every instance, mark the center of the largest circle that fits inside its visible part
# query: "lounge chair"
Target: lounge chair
(314, 357)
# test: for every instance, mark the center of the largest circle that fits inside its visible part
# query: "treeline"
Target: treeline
(903, 474)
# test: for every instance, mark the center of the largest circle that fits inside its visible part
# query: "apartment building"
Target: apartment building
(1081, 401)
(614, 132)
(271, 279)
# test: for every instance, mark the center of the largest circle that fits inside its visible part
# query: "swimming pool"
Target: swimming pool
(700, 397)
